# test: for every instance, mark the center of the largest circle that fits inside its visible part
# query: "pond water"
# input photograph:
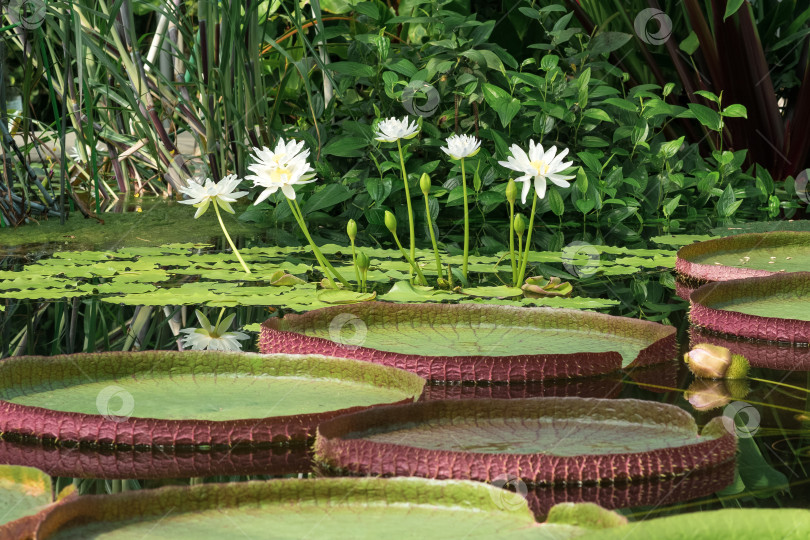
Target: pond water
(95, 305)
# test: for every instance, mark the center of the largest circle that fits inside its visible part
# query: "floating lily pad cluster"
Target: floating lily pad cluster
(190, 274)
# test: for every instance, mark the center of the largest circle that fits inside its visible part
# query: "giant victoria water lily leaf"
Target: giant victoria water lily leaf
(543, 441)
(162, 398)
(155, 463)
(23, 490)
(474, 342)
(773, 308)
(745, 255)
(339, 508)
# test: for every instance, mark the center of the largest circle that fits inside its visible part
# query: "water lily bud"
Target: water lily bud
(520, 224)
(390, 221)
(362, 261)
(705, 395)
(351, 229)
(424, 183)
(715, 362)
(511, 191)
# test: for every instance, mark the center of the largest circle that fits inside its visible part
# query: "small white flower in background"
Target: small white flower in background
(220, 193)
(392, 129)
(73, 153)
(538, 165)
(462, 146)
(281, 168)
(213, 338)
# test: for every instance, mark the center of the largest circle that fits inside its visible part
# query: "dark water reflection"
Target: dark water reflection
(775, 460)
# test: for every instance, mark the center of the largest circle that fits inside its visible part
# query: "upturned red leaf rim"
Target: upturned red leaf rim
(342, 444)
(709, 305)
(288, 496)
(32, 423)
(293, 334)
(75, 462)
(687, 267)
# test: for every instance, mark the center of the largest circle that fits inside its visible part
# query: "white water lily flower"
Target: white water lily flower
(282, 168)
(392, 129)
(538, 165)
(461, 146)
(213, 338)
(220, 193)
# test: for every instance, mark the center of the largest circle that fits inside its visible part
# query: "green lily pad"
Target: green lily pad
(773, 308)
(474, 342)
(336, 508)
(404, 291)
(153, 398)
(23, 491)
(745, 255)
(342, 296)
(493, 292)
(545, 441)
(736, 523)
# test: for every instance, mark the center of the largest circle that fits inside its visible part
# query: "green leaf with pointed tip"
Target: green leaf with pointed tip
(342, 296)
(404, 291)
(494, 292)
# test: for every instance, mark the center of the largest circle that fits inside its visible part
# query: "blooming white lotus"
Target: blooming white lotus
(539, 165)
(213, 338)
(392, 129)
(461, 146)
(220, 193)
(281, 168)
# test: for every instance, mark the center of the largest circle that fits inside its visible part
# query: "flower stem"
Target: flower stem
(228, 237)
(512, 241)
(318, 255)
(433, 238)
(409, 259)
(466, 220)
(354, 263)
(528, 243)
(408, 201)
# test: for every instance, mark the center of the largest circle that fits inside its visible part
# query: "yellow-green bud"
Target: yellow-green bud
(424, 183)
(351, 229)
(390, 221)
(520, 224)
(511, 191)
(362, 261)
